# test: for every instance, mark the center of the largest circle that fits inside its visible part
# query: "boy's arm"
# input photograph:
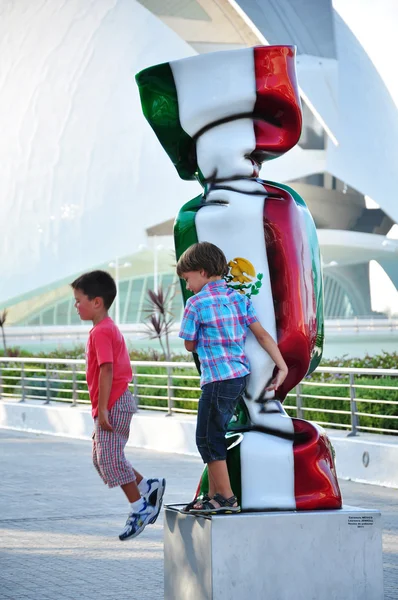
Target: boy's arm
(269, 345)
(190, 345)
(189, 327)
(105, 386)
(104, 350)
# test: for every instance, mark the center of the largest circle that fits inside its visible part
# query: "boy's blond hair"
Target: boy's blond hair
(203, 256)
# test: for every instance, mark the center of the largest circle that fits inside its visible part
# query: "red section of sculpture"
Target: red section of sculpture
(315, 479)
(277, 112)
(291, 275)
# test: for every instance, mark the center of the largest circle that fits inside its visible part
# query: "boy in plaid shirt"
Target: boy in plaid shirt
(214, 325)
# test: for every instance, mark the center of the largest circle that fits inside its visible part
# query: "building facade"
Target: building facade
(84, 179)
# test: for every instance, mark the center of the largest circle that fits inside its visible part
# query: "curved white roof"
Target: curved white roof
(82, 175)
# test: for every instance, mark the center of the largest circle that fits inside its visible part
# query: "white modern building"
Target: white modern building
(86, 184)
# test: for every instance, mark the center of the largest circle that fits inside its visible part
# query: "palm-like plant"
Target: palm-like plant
(159, 322)
(160, 318)
(3, 318)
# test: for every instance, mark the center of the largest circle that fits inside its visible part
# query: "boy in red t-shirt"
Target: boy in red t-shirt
(108, 372)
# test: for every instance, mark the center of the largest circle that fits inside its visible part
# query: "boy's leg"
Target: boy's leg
(210, 436)
(151, 489)
(131, 490)
(145, 496)
(119, 471)
(138, 476)
(216, 407)
(218, 472)
(202, 422)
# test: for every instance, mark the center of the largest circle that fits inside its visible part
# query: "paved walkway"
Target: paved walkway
(59, 523)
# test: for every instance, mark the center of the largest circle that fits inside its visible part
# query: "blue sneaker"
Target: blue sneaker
(154, 496)
(136, 522)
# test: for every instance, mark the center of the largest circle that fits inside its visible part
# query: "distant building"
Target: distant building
(84, 180)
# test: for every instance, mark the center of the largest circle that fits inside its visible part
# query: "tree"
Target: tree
(3, 318)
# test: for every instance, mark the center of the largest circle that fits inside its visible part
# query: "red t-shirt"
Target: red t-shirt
(106, 345)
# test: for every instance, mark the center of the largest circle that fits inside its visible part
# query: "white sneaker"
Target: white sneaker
(136, 522)
(154, 496)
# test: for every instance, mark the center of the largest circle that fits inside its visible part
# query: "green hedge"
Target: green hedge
(384, 360)
(373, 392)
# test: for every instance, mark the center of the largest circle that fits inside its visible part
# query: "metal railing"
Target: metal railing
(363, 324)
(345, 398)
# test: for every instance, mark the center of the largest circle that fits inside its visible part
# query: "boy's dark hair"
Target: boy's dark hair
(97, 284)
(203, 255)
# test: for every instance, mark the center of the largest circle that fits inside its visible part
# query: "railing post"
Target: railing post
(22, 382)
(74, 386)
(170, 403)
(353, 405)
(135, 383)
(299, 402)
(48, 386)
(1, 380)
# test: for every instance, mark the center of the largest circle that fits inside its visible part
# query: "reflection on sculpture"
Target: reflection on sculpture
(219, 117)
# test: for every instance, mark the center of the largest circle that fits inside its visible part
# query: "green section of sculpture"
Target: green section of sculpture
(160, 106)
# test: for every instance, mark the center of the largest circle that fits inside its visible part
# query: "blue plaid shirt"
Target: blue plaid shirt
(217, 318)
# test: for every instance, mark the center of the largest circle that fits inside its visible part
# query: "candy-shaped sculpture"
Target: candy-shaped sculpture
(219, 116)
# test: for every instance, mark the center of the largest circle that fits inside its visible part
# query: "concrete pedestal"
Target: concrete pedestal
(316, 555)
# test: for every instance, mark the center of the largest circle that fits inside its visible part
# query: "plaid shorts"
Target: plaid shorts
(108, 446)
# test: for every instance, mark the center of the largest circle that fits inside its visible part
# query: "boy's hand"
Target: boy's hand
(278, 380)
(103, 420)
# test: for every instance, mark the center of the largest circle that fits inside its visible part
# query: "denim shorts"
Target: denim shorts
(217, 404)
